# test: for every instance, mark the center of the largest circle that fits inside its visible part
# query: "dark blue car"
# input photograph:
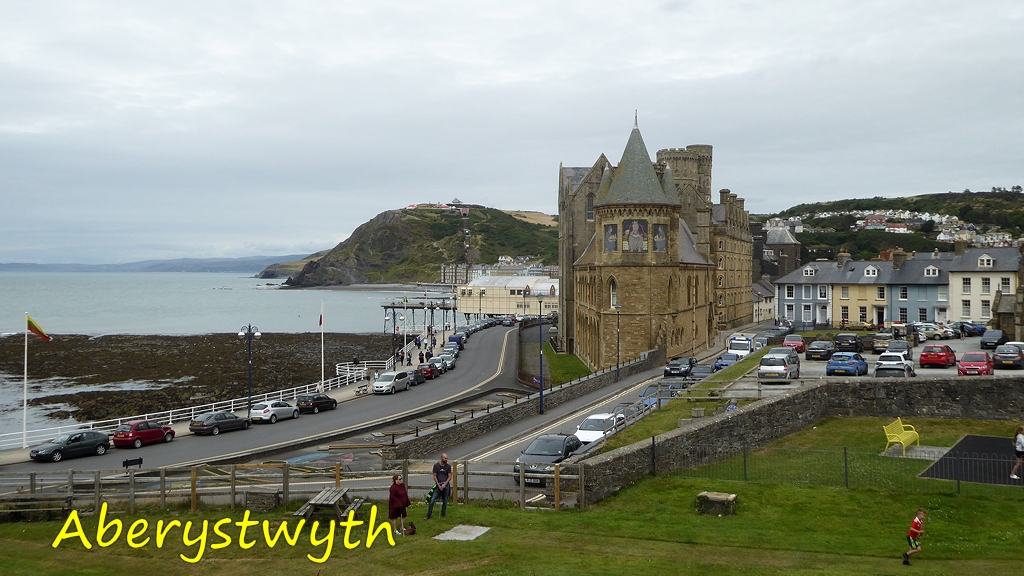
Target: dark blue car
(846, 363)
(726, 360)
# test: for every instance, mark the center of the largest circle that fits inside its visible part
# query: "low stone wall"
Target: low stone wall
(431, 442)
(760, 423)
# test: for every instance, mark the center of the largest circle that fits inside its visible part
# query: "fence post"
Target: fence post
(558, 487)
(455, 481)
(163, 488)
(131, 492)
(96, 493)
(745, 464)
(32, 483)
(233, 486)
(71, 485)
(284, 484)
(522, 486)
(846, 466)
(465, 482)
(654, 457)
(337, 474)
(583, 489)
(958, 468)
(194, 504)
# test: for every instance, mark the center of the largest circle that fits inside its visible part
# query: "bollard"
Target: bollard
(438, 425)
(417, 431)
(472, 413)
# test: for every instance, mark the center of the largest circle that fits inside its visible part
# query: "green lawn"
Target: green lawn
(563, 367)
(649, 528)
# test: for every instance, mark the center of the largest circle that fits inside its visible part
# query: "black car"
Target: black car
(849, 343)
(1007, 356)
(993, 338)
(820, 350)
(418, 377)
(700, 372)
(906, 371)
(679, 367)
(315, 403)
(544, 451)
(901, 347)
(71, 445)
(214, 423)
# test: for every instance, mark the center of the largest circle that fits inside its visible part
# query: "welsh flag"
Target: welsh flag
(35, 329)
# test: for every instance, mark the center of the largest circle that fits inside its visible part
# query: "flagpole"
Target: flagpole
(24, 393)
(321, 345)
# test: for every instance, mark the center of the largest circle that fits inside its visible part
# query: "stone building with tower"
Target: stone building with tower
(646, 259)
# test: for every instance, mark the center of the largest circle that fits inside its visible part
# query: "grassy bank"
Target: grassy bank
(563, 367)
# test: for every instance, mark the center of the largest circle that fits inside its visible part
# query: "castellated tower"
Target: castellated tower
(691, 171)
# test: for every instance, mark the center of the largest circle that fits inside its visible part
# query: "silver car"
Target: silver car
(272, 411)
(449, 361)
(777, 367)
(391, 382)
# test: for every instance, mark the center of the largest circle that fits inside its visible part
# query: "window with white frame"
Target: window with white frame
(844, 293)
(943, 293)
(809, 271)
(844, 313)
(807, 292)
(863, 313)
(985, 261)
(807, 313)
(965, 308)
(822, 292)
(903, 292)
(880, 293)
(903, 315)
(966, 286)
(986, 285)
(790, 312)
(1004, 284)
(790, 291)
(986, 308)
(871, 271)
(931, 271)
(922, 314)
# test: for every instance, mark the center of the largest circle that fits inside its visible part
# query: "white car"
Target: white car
(887, 360)
(390, 382)
(595, 427)
(272, 411)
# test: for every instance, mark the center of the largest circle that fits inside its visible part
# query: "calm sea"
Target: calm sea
(167, 303)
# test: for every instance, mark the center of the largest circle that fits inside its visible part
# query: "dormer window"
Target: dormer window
(985, 261)
(809, 271)
(871, 271)
(931, 271)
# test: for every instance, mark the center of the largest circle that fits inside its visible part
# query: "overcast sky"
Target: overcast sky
(136, 130)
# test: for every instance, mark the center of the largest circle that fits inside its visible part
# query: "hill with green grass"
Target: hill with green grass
(411, 244)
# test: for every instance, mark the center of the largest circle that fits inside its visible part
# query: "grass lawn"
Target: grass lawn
(563, 367)
(649, 528)
(736, 370)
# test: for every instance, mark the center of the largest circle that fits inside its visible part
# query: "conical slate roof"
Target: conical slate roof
(635, 181)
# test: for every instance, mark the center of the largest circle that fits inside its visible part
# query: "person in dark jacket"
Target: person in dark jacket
(398, 501)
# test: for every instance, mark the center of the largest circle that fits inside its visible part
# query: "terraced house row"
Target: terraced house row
(929, 287)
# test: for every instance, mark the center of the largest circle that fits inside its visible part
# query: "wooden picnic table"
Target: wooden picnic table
(327, 498)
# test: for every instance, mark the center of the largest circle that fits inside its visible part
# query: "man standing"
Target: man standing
(443, 481)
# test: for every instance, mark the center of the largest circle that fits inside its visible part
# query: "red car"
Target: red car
(429, 371)
(139, 432)
(975, 363)
(795, 342)
(937, 355)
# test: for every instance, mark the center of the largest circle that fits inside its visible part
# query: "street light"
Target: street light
(249, 332)
(481, 304)
(540, 339)
(405, 333)
(617, 308)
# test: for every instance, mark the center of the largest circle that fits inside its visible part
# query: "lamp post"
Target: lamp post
(617, 340)
(405, 334)
(249, 332)
(481, 304)
(540, 340)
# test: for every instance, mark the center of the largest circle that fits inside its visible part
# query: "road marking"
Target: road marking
(501, 366)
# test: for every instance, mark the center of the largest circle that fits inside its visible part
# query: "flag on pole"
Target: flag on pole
(35, 329)
(321, 318)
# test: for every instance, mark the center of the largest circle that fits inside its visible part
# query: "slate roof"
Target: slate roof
(635, 181)
(779, 236)
(910, 272)
(575, 175)
(718, 213)
(763, 288)
(688, 246)
(1007, 303)
(1003, 260)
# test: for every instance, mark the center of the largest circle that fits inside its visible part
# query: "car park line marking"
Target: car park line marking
(504, 445)
(354, 427)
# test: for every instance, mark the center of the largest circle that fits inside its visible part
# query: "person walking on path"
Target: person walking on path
(913, 535)
(398, 501)
(1018, 449)
(421, 357)
(443, 482)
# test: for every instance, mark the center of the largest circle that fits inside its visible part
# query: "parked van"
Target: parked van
(458, 339)
(741, 344)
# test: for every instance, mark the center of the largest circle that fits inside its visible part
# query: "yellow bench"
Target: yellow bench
(899, 433)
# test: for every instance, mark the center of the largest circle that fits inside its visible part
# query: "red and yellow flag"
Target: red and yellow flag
(35, 329)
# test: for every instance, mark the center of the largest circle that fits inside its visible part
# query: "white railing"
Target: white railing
(347, 373)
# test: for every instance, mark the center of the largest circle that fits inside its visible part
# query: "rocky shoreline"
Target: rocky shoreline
(181, 370)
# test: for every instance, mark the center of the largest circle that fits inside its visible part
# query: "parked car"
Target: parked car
(679, 367)
(139, 432)
(905, 371)
(937, 355)
(993, 339)
(820, 350)
(545, 451)
(880, 342)
(1008, 356)
(595, 427)
(726, 360)
(507, 322)
(416, 377)
(931, 332)
(451, 348)
(967, 328)
(846, 363)
(624, 410)
(779, 367)
(428, 370)
(901, 347)
(891, 359)
(849, 343)
(70, 445)
(796, 342)
(315, 403)
(786, 351)
(760, 342)
(700, 372)
(439, 364)
(975, 364)
(214, 423)
(390, 382)
(273, 411)
(449, 361)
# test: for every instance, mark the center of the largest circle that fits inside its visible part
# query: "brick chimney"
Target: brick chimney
(842, 258)
(898, 258)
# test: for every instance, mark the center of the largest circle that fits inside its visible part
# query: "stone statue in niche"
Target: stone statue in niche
(634, 235)
(611, 237)
(660, 237)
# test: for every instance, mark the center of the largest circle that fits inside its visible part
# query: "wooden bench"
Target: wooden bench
(328, 499)
(899, 433)
(362, 389)
(353, 507)
(38, 506)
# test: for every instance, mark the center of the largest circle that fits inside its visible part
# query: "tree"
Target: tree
(928, 226)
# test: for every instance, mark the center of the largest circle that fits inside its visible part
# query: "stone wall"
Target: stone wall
(760, 423)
